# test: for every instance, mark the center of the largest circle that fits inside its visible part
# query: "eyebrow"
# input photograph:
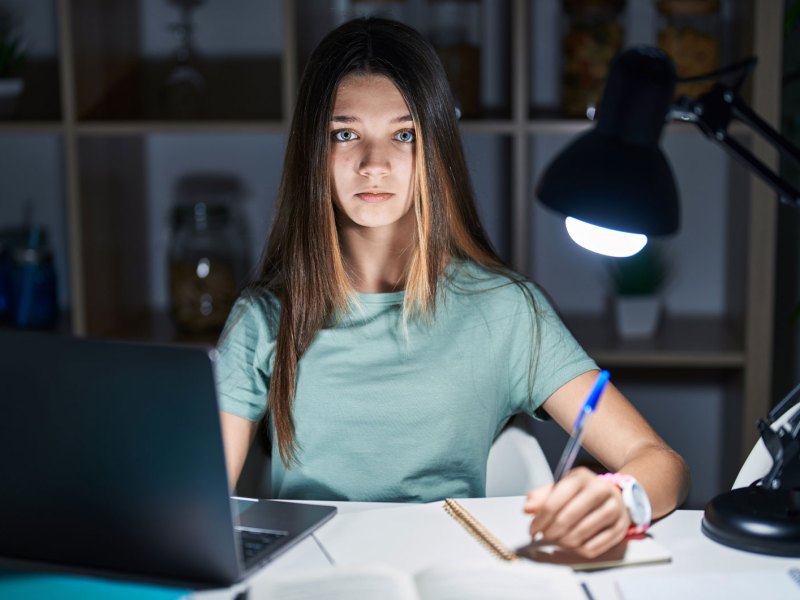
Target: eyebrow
(349, 119)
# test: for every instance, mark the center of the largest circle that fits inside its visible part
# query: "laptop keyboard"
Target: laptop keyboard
(255, 543)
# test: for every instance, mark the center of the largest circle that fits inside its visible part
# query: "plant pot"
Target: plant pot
(637, 316)
(10, 90)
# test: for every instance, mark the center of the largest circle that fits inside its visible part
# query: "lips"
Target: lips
(374, 196)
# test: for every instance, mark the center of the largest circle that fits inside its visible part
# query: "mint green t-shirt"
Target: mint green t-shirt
(387, 413)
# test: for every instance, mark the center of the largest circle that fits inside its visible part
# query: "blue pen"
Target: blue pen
(574, 444)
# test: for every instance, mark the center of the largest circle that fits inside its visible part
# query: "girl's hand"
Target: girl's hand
(582, 513)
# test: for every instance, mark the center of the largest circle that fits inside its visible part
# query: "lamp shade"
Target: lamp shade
(616, 175)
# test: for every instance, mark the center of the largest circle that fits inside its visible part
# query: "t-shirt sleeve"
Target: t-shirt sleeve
(544, 354)
(245, 357)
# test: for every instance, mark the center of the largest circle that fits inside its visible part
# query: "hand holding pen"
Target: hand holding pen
(578, 511)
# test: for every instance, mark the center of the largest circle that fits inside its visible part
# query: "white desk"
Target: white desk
(692, 553)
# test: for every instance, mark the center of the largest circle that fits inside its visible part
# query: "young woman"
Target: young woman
(385, 342)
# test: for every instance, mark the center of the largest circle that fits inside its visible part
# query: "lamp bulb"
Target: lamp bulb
(604, 241)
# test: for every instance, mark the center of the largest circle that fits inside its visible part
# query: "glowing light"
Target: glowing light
(203, 268)
(605, 241)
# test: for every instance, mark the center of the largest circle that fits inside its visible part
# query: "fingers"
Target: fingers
(581, 513)
(604, 540)
(562, 501)
(600, 529)
(536, 498)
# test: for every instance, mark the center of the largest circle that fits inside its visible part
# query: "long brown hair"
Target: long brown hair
(302, 263)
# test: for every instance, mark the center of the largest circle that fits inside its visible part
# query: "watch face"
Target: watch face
(637, 502)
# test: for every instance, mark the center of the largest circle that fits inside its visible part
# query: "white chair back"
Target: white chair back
(516, 464)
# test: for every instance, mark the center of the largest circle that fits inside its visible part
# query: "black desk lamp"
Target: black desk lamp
(615, 183)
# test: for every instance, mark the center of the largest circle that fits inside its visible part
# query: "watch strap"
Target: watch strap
(622, 480)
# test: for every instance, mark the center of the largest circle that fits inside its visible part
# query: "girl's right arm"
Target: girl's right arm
(237, 435)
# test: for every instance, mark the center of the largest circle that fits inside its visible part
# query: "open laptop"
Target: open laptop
(111, 461)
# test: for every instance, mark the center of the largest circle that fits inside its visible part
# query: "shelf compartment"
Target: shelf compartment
(120, 76)
(241, 89)
(489, 47)
(32, 172)
(40, 99)
(682, 342)
(640, 23)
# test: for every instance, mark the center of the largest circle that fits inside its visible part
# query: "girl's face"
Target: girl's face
(372, 152)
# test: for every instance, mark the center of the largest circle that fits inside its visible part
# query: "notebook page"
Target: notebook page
(505, 519)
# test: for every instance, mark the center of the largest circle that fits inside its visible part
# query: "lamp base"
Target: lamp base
(755, 519)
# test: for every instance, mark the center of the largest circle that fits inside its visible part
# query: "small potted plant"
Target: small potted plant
(638, 281)
(12, 58)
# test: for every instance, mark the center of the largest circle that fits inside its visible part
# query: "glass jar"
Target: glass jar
(690, 33)
(455, 33)
(594, 35)
(205, 259)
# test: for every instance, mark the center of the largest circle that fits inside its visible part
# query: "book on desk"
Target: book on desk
(467, 580)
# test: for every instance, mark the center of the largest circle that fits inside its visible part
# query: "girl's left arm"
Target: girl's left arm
(585, 513)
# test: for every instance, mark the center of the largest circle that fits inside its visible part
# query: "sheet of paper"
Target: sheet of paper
(741, 585)
(410, 538)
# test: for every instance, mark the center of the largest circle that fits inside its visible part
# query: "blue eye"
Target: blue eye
(344, 135)
(407, 136)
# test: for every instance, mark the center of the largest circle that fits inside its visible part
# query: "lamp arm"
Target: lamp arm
(782, 444)
(747, 115)
(712, 113)
(787, 192)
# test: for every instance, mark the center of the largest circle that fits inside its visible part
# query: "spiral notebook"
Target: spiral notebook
(414, 537)
(642, 549)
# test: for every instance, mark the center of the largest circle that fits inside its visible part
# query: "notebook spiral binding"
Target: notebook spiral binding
(478, 531)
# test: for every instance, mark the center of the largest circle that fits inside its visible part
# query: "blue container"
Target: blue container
(5, 284)
(33, 289)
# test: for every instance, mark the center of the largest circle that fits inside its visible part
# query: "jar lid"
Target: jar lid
(31, 256)
(209, 188)
(201, 214)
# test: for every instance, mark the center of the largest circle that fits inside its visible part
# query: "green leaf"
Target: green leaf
(12, 57)
(643, 273)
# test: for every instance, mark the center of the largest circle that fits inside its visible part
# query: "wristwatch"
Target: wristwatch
(635, 499)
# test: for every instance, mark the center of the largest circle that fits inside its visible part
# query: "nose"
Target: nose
(374, 162)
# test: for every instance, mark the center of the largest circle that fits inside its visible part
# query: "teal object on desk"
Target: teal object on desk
(36, 586)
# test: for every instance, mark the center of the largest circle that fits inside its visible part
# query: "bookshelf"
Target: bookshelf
(101, 98)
